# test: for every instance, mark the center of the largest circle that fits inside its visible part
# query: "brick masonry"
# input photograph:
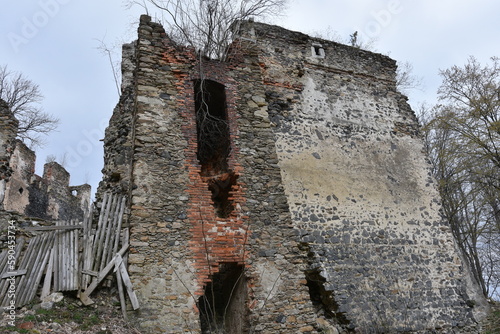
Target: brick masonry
(334, 216)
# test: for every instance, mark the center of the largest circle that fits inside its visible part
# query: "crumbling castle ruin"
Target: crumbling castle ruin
(27, 195)
(284, 190)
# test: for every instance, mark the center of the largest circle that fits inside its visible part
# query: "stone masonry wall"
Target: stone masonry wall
(359, 187)
(46, 197)
(322, 216)
(8, 126)
(178, 242)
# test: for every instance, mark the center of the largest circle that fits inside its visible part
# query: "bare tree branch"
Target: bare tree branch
(206, 24)
(23, 98)
(463, 139)
(405, 80)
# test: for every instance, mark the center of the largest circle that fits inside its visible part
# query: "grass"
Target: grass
(492, 322)
(62, 312)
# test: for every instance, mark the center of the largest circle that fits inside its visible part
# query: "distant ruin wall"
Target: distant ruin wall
(313, 211)
(48, 197)
(8, 126)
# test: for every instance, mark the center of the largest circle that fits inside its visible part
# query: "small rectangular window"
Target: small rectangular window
(317, 50)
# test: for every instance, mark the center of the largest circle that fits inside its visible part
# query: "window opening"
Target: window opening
(214, 144)
(223, 305)
(212, 128)
(317, 50)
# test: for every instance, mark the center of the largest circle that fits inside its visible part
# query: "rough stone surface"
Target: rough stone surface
(333, 214)
(47, 197)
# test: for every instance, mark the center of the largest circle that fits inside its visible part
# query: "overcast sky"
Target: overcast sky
(54, 43)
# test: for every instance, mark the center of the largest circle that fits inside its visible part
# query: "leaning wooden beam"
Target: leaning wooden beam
(32, 255)
(53, 228)
(48, 276)
(84, 297)
(35, 267)
(121, 294)
(109, 231)
(38, 276)
(8, 273)
(127, 282)
(14, 273)
(4, 268)
(98, 242)
(86, 263)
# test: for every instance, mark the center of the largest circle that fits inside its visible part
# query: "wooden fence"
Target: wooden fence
(69, 256)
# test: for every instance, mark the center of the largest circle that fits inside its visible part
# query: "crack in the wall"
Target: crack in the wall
(323, 299)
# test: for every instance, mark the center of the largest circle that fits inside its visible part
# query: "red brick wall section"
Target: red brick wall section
(214, 240)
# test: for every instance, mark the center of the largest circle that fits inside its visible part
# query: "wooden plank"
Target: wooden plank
(63, 251)
(25, 264)
(84, 259)
(4, 284)
(27, 282)
(56, 264)
(128, 284)
(4, 259)
(113, 231)
(99, 261)
(4, 256)
(119, 282)
(109, 228)
(39, 272)
(121, 294)
(84, 297)
(76, 262)
(126, 239)
(35, 275)
(59, 273)
(53, 228)
(48, 276)
(88, 262)
(14, 273)
(90, 273)
(69, 260)
(88, 240)
(119, 227)
(97, 236)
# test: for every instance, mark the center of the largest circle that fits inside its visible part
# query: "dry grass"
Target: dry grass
(491, 324)
(70, 317)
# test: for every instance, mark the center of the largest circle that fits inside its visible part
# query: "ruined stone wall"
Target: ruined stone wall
(316, 212)
(45, 197)
(180, 245)
(25, 193)
(359, 187)
(8, 126)
(118, 136)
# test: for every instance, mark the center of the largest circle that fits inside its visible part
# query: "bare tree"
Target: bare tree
(206, 24)
(463, 140)
(23, 98)
(405, 79)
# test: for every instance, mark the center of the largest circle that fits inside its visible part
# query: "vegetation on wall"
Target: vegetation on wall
(205, 25)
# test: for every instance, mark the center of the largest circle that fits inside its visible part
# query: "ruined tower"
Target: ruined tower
(284, 190)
